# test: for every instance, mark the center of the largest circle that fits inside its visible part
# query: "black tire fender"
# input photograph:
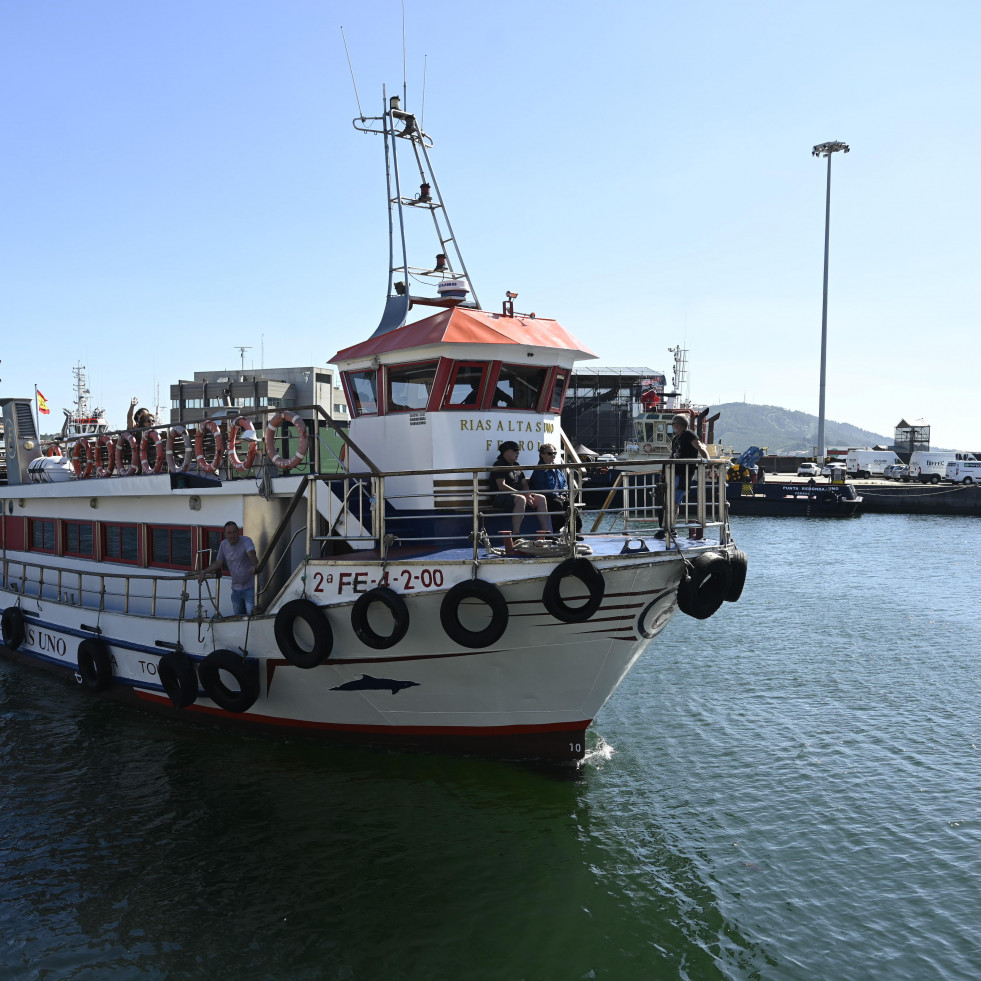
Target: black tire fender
(94, 664)
(245, 673)
(588, 575)
(703, 588)
(449, 613)
(179, 679)
(395, 605)
(315, 617)
(12, 626)
(738, 566)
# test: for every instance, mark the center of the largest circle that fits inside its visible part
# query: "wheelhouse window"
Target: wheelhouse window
(78, 538)
(410, 385)
(120, 543)
(171, 547)
(42, 535)
(362, 391)
(210, 539)
(465, 386)
(558, 391)
(519, 387)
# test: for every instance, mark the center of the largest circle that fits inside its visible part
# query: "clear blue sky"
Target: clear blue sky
(178, 178)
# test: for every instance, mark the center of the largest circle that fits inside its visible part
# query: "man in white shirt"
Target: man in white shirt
(237, 554)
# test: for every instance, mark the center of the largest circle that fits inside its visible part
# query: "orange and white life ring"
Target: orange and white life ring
(284, 415)
(204, 464)
(156, 437)
(241, 425)
(648, 447)
(82, 448)
(104, 441)
(123, 440)
(187, 457)
(54, 450)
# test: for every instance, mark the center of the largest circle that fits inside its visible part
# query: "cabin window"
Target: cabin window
(120, 543)
(558, 391)
(409, 386)
(363, 391)
(42, 534)
(466, 385)
(210, 539)
(78, 539)
(519, 387)
(171, 547)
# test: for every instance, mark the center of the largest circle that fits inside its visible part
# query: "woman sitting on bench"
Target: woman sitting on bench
(553, 484)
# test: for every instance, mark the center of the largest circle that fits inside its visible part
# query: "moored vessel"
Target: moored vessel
(386, 611)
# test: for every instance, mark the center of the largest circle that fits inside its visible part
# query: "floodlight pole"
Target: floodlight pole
(825, 150)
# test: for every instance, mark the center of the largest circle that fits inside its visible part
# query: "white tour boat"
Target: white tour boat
(385, 612)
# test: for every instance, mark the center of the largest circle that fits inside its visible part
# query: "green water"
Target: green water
(788, 790)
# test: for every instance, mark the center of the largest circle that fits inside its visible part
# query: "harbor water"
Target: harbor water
(789, 790)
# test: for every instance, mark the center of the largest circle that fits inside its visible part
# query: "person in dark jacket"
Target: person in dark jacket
(512, 494)
(554, 485)
(685, 446)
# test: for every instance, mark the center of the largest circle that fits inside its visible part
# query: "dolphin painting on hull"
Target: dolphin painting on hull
(367, 683)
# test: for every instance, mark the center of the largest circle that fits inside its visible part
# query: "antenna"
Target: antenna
(241, 350)
(353, 82)
(422, 115)
(405, 97)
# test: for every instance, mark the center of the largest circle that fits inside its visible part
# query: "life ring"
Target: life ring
(449, 613)
(159, 458)
(703, 587)
(104, 441)
(301, 431)
(82, 448)
(648, 447)
(187, 457)
(12, 627)
(176, 672)
(395, 605)
(53, 450)
(314, 645)
(241, 424)
(588, 575)
(214, 464)
(122, 440)
(246, 677)
(94, 664)
(738, 564)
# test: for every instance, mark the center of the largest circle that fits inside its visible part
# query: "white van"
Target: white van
(869, 463)
(930, 466)
(964, 472)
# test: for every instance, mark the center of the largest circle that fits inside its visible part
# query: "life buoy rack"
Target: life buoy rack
(738, 566)
(487, 593)
(12, 627)
(53, 450)
(94, 664)
(302, 445)
(704, 585)
(395, 605)
(179, 679)
(588, 575)
(123, 440)
(172, 434)
(246, 676)
(214, 464)
(308, 651)
(155, 437)
(106, 442)
(239, 426)
(86, 448)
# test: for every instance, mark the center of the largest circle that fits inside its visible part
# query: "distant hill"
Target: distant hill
(784, 432)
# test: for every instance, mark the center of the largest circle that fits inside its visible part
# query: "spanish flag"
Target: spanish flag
(42, 405)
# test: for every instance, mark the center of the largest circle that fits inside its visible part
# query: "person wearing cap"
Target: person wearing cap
(554, 485)
(512, 494)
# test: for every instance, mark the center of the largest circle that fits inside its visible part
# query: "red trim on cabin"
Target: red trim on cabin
(484, 367)
(444, 370)
(490, 385)
(65, 536)
(32, 524)
(389, 368)
(115, 528)
(151, 560)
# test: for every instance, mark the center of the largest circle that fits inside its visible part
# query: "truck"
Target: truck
(964, 472)
(868, 463)
(930, 466)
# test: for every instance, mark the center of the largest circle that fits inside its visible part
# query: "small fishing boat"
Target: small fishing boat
(795, 500)
(386, 610)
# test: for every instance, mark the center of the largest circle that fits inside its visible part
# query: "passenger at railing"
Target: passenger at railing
(511, 494)
(554, 485)
(685, 446)
(237, 554)
(139, 418)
